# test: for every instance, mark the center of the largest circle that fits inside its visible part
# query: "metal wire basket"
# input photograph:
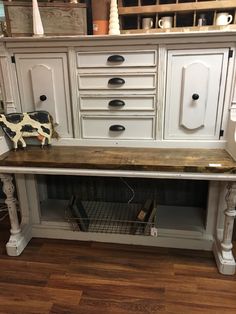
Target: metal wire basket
(109, 217)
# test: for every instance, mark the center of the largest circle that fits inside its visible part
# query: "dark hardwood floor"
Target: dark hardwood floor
(62, 277)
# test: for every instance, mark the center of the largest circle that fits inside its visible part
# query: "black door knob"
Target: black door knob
(195, 96)
(43, 97)
(116, 81)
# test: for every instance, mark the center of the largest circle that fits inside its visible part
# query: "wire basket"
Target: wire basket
(109, 217)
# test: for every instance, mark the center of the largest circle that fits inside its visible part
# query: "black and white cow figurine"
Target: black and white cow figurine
(30, 124)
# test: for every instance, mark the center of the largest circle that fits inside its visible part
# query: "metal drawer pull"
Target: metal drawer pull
(116, 81)
(116, 103)
(43, 97)
(116, 128)
(116, 59)
(195, 96)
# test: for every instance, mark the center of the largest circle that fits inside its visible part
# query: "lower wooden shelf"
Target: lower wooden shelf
(120, 218)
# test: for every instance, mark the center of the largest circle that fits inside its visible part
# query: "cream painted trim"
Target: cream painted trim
(120, 173)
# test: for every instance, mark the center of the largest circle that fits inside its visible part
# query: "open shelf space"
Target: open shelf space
(112, 205)
(108, 217)
(186, 15)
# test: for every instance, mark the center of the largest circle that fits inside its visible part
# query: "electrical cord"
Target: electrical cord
(130, 188)
(3, 209)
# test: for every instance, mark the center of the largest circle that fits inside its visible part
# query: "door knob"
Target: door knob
(43, 97)
(195, 96)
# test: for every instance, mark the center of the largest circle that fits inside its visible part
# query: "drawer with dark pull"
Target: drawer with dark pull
(118, 103)
(97, 127)
(139, 58)
(121, 81)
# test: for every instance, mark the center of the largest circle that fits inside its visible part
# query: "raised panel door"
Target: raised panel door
(43, 85)
(195, 93)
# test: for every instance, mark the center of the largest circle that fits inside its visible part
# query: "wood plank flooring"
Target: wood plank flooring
(62, 277)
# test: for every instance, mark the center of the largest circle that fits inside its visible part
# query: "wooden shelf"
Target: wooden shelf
(180, 29)
(185, 13)
(177, 7)
(110, 217)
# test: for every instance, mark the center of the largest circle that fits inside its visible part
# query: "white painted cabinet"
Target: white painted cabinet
(195, 88)
(164, 93)
(44, 85)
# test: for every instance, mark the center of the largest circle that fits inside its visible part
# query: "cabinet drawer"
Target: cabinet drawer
(117, 128)
(117, 103)
(116, 59)
(119, 81)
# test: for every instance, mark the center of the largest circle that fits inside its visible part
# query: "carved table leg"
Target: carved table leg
(223, 250)
(18, 239)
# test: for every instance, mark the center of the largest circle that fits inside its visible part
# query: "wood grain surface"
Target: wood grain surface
(144, 159)
(176, 7)
(69, 277)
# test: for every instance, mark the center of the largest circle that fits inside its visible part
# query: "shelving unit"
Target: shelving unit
(119, 218)
(185, 14)
(105, 202)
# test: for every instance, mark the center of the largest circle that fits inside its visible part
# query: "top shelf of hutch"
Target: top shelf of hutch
(185, 13)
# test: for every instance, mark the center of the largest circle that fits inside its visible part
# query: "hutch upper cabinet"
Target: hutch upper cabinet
(136, 90)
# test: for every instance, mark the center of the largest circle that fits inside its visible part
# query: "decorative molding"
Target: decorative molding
(6, 85)
(193, 112)
(45, 75)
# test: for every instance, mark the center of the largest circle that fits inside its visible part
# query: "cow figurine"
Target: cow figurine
(30, 124)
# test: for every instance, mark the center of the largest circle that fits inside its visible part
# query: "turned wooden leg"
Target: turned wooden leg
(8, 189)
(223, 249)
(18, 240)
(230, 214)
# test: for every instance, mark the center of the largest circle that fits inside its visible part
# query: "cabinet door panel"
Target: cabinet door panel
(43, 85)
(45, 88)
(194, 93)
(193, 100)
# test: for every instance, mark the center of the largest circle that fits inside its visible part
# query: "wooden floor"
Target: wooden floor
(63, 277)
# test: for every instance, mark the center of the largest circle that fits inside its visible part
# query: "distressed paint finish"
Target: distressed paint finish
(8, 189)
(230, 214)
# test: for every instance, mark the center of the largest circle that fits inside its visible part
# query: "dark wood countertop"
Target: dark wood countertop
(117, 158)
